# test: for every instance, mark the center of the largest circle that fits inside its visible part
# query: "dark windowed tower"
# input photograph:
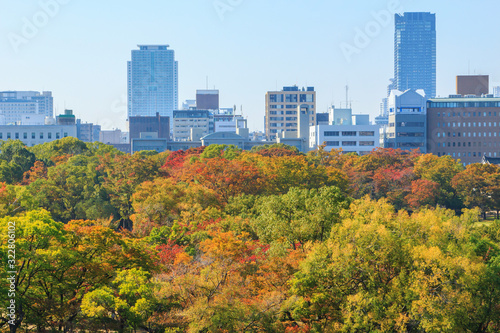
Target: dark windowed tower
(415, 52)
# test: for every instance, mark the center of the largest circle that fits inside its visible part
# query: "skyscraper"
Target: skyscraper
(415, 52)
(152, 81)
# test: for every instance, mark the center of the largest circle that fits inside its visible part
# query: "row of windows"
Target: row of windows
(468, 134)
(349, 133)
(466, 144)
(291, 98)
(463, 104)
(467, 114)
(473, 124)
(287, 112)
(470, 154)
(17, 135)
(350, 143)
(408, 124)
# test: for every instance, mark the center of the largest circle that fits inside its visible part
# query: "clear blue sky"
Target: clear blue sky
(246, 48)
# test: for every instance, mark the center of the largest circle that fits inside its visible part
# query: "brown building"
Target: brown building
(473, 85)
(464, 128)
(158, 124)
(281, 109)
(207, 99)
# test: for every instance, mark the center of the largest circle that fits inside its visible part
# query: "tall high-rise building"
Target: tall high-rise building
(415, 52)
(152, 81)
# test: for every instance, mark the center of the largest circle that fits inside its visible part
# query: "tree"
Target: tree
(299, 216)
(35, 232)
(15, 160)
(226, 178)
(128, 300)
(441, 171)
(477, 186)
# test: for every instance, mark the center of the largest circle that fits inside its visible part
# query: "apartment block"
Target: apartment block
(281, 109)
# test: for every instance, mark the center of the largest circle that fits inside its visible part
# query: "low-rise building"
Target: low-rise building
(352, 133)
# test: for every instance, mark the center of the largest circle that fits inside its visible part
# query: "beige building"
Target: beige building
(185, 120)
(282, 106)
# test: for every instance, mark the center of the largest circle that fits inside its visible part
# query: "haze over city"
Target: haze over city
(245, 48)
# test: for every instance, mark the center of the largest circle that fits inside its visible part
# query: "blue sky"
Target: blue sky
(245, 47)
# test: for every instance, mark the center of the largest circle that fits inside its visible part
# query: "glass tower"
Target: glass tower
(152, 81)
(415, 52)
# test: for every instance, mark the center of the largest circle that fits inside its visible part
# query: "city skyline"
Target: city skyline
(73, 56)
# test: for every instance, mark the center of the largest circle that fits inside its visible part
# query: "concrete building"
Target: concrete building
(281, 109)
(152, 81)
(207, 99)
(159, 124)
(496, 92)
(111, 137)
(352, 133)
(185, 120)
(322, 118)
(68, 118)
(16, 104)
(87, 132)
(415, 52)
(32, 135)
(189, 104)
(477, 85)
(465, 128)
(407, 121)
(228, 121)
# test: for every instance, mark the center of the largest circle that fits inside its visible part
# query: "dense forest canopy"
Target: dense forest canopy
(216, 239)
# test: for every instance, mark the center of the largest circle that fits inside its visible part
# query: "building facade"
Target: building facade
(354, 136)
(16, 104)
(415, 52)
(407, 121)
(464, 128)
(207, 99)
(158, 124)
(185, 120)
(282, 106)
(32, 135)
(476, 85)
(152, 81)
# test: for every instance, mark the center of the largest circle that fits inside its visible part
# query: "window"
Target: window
(411, 124)
(349, 133)
(58, 136)
(41, 135)
(410, 144)
(17, 135)
(1, 135)
(33, 135)
(411, 134)
(332, 143)
(366, 133)
(349, 143)
(367, 143)
(25, 135)
(8, 135)
(66, 134)
(331, 133)
(49, 135)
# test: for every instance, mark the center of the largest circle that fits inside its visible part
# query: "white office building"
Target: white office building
(17, 105)
(352, 133)
(32, 135)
